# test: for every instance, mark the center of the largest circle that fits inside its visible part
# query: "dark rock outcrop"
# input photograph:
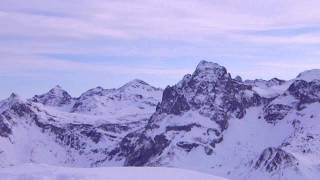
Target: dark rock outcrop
(276, 112)
(5, 129)
(274, 159)
(138, 148)
(305, 92)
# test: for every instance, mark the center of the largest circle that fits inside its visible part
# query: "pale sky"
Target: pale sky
(81, 44)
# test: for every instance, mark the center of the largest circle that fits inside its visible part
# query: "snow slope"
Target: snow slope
(45, 172)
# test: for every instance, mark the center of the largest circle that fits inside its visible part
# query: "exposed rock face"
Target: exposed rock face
(5, 130)
(55, 97)
(212, 91)
(275, 159)
(138, 148)
(299, 94)
(305, 92)
(209, 93)
(276, 112)
(173, 102)
(238, 78)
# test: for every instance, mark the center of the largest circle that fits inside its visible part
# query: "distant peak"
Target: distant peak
(136, 84)
(309, 75)
(57, 90)
(57, 86)
(99, 87)
(14, 96)
(137, 81)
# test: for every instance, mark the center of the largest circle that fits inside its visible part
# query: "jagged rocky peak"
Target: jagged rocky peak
(309, 75)
(198, 107)
(205, 78)
(55, 97)
(12, 99)
(210, 86)
(9, 102)
(13, 96)
(15, 105)
(209, 71)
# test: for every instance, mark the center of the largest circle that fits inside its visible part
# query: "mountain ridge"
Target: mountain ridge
(269, 128)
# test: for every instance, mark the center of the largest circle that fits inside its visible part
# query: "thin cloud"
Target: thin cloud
(175, 20)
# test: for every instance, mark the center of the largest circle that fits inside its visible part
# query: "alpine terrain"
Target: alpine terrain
(210, 121)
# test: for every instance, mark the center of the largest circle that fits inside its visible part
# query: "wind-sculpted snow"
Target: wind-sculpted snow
(208, 121)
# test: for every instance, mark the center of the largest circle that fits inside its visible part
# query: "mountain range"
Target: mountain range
(209, 121)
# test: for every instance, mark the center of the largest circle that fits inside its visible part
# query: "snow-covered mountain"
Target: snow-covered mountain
(209, 121)
(135, 97)
(55, 97)
(57, 129)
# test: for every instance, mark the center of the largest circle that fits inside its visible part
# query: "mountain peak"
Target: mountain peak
(57, 89)
(14, 96)
(309, 75)
(55, 97)
(12, 99)
(210, 71)
(203, 65)
(135, 83)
